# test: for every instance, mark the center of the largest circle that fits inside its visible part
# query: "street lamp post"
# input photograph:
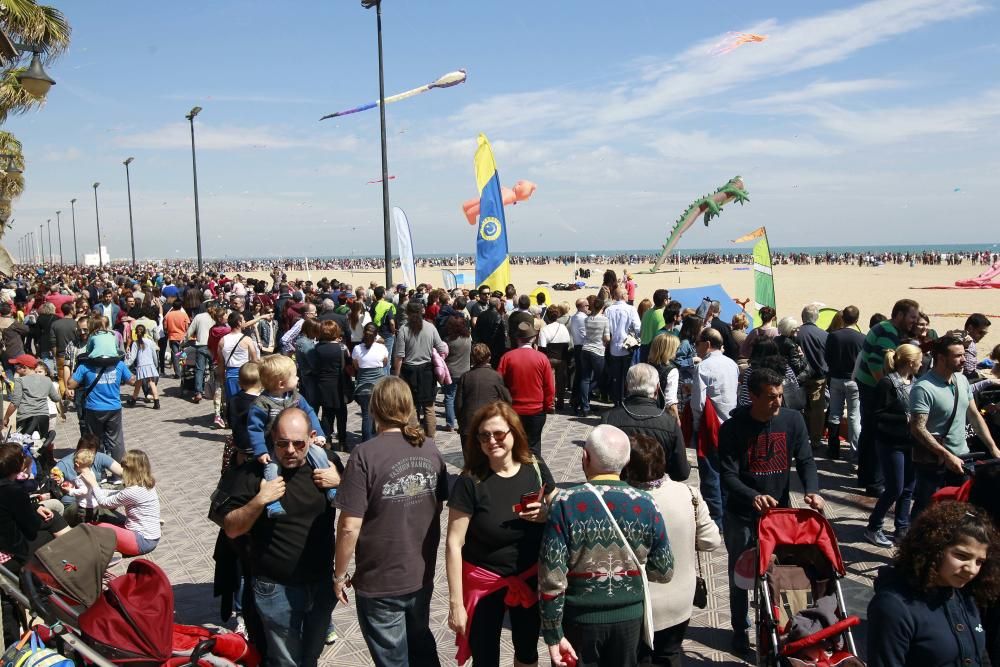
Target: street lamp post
(49, 223)
(41, 244)
(194, 170)
(62, 260)
(387, 235)
(76, 257)
(97, 214)
(128, 184)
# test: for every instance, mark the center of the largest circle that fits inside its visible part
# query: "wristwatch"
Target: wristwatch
(342, 580)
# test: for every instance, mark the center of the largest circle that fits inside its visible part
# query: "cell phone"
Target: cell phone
(528, 498)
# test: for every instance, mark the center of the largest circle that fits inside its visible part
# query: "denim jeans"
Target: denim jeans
(897, 466)
(295, 619)
(591, 367)
(397, 629)
(846, 392)
(869, 467)
(367, 427)
(711, 487)
(390, 342)
(203, 361)
(739, 535)
(175, 361)
(449, 401)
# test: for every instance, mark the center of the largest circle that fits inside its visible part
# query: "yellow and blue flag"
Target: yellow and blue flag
(492, 259)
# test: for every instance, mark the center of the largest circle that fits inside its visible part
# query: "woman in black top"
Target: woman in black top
(330, 361)
(494, 539)
(893, 442)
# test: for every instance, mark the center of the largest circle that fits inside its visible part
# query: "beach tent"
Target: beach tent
(691, 297)
(453, 279)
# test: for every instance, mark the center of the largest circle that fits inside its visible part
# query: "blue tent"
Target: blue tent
(691, 297)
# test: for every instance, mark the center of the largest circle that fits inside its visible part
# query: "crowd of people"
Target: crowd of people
(605, 572)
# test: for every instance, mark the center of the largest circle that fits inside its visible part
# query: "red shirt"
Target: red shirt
(528, 374)
(58, 300)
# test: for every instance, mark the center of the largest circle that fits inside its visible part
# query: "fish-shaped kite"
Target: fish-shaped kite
(391, 178)
(735, 40)
(447, 81)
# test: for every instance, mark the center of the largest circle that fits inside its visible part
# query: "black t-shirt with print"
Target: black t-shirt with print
(498, 540)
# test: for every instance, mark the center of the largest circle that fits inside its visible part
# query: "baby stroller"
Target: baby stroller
(801, 617)
(128, 622)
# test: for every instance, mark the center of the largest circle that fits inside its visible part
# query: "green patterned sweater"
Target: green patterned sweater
(585, 575)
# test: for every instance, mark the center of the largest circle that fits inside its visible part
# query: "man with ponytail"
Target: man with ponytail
(390, 521)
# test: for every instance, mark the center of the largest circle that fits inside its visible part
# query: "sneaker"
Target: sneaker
(331, 635)
(878, 538)
(740, 644)
(156, 404)
(219, 423)
(241, 627)
(115, 559)
(899, 534)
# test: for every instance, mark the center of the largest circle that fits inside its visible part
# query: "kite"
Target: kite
(391, 178)
(447, 81)
(711, 205)
(522, 192)
(735, 40)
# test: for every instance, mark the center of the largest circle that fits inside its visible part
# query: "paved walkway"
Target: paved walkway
(186, 454)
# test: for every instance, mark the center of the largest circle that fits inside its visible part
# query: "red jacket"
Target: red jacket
(528, 374)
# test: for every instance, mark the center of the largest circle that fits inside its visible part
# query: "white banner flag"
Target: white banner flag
(404, 242)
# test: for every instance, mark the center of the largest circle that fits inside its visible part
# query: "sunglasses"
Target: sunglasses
(485, 436)
(297, 444)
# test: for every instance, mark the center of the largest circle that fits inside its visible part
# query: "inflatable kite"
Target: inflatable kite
(735, 40)
(709, 205)
(379, 180)
(447, 81)
(987, 278)
(522, 192)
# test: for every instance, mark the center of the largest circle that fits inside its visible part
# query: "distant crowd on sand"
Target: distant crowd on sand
(606, 571)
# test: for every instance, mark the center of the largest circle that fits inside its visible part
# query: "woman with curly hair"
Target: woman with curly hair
(925, 607)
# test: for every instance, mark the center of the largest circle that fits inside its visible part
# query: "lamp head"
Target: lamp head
(95, 185)
(368, 4)
(128, 161)
(34, 80)
(194, 112)
(72, 201)
(58, 212)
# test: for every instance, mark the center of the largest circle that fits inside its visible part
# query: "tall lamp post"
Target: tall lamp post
(62, 260)
(97, 214)
(128, 184)
(41, 244)
(387, 235)
(49, 224)
(76, 257)
(194, 170)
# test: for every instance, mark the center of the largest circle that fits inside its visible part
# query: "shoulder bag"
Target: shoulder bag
(923, 456)
(700, 587)
(647, 606)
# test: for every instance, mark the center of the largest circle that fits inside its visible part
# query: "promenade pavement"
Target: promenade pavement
(186, 453)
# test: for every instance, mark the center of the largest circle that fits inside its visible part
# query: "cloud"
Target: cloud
(703, 147)
(822, 90)
(230, 137)
(249, 98)
(70, 153)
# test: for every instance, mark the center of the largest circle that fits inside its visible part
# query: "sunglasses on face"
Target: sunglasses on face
(485, 436)
(284, 444)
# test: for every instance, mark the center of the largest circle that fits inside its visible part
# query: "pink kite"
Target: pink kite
(735, 40)
(391, 178)
(983, 280)
(522, 192)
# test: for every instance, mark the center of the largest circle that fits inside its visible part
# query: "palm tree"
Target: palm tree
(11, 184)
(27, 22)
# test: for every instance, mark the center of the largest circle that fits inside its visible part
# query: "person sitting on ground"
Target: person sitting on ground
(924, 611)
(86, 501)
(139, 500)
(279, 379)
(640, 415)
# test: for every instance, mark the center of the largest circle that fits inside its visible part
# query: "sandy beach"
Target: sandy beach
(872, 289)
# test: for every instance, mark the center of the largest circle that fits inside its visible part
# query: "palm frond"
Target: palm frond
(14, 99)
(27, 21)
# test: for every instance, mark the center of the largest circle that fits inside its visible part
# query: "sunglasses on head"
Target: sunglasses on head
(485, 436)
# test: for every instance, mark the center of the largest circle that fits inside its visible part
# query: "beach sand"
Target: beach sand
(871, 289)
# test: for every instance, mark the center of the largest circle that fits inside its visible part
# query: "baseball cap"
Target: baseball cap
(24, 360)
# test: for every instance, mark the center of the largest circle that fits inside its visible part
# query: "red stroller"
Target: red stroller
(801, 616)
(131, 620)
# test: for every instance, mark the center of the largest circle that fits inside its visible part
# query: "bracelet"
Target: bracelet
(342, 580)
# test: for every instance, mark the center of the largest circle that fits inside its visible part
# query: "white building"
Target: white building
(91, 259)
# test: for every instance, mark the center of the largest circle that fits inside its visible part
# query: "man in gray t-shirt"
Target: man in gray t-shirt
(941, 404)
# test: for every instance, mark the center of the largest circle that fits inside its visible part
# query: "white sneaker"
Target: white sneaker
(878, 538)
(241, 627)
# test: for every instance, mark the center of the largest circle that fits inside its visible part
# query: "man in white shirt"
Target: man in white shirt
(577, 333)
(716, 378)
(623, 320)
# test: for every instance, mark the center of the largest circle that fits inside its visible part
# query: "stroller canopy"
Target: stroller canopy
(75, 562)
(133, 620)
(783, 526)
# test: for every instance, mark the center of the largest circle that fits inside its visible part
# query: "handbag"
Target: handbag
(631, 342)
(795, 395)
(700, 586)
(647, 605)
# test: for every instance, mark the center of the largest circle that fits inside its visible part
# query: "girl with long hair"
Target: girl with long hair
(138, 499)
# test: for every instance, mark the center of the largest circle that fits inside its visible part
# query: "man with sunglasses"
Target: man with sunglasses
(291, 556)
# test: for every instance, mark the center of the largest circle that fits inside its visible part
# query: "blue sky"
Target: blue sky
(853, 123)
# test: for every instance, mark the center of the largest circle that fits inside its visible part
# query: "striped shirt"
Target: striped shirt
(141, 505)
(881, 338)
(596, 328)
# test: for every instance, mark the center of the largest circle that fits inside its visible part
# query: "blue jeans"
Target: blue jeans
(295, 619)
(449, 401)
(203, 361)
(739, 535)
(846, 392)
(397, 629)
(390, 342)
(367, 427)
(591, 367)
(711, 487)
(175, 350)
(897, 466)
(617, 368)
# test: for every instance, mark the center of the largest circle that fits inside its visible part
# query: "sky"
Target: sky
(854, 123)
